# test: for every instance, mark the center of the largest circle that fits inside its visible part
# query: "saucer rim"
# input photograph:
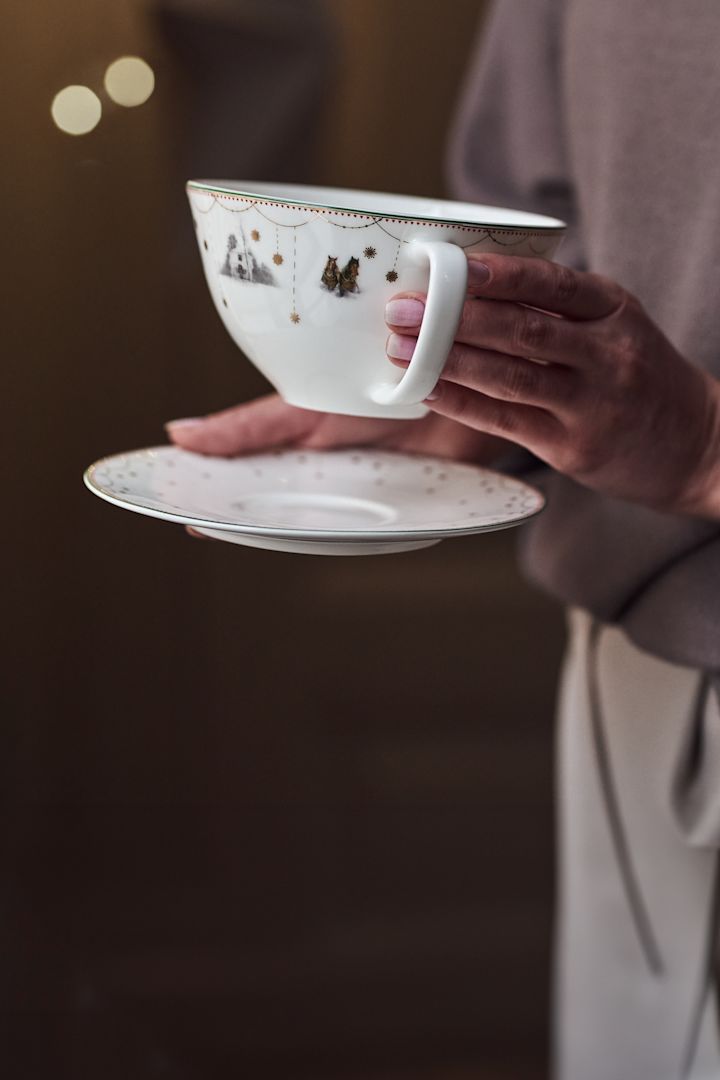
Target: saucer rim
(329, 535)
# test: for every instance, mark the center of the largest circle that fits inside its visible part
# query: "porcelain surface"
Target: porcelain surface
(357, 501)
(300, 277)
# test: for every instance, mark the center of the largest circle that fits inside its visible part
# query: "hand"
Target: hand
(570, 366)
(269, 422)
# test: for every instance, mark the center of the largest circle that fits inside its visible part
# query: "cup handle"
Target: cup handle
(445, 298)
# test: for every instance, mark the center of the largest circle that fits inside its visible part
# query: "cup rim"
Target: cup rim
(337, 200)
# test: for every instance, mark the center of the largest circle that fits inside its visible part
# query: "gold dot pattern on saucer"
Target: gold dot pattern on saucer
(373, 496)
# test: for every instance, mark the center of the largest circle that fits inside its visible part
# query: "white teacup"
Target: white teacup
(301, 275)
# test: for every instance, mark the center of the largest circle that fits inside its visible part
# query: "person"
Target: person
(604, 115)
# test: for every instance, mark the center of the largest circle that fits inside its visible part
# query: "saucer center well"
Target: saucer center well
(299, 510)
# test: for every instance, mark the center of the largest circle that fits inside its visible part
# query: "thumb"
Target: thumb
(254, 425)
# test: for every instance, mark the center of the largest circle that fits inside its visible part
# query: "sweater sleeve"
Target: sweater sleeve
(507, 145)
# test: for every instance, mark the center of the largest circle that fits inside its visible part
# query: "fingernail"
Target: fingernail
(434, 394)
(478, 272)
(400, 346)
(184, 422)
(404, 312)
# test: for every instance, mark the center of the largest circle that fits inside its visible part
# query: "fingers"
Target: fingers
(543, 284)
(521, 299)
(334, 431)
(198, 535)
(508, 328)
(521, 331)
(255, 425)
(507, 378)
(270, 422)
(524, 425)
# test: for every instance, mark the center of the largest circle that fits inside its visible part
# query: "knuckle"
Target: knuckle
(566, 284)
(461, 403)
(614, 292)
(455, 365)
(468, 319)
(626, 349)
(531, 333)
(519, 382)
(626, 363)
(580, 455)
(571, 459)
(515, 275)
(506, 421)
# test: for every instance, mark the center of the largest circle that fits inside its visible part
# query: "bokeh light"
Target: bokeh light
(76, 110)
(129, 81)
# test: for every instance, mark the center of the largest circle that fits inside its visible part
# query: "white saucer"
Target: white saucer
(319, 502)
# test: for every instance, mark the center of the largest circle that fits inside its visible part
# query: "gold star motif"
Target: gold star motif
(255, 234)
(294, 317)
(277, 258)
(370, 252)
(391, 276)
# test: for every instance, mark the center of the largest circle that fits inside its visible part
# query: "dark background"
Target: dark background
(262, 815)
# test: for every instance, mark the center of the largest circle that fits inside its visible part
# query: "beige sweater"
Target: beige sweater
(608, 116)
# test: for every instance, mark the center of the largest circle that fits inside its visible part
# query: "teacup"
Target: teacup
(301, 275)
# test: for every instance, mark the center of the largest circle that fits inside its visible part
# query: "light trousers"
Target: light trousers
(639, 742)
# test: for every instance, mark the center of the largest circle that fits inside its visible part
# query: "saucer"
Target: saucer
(322, 502)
